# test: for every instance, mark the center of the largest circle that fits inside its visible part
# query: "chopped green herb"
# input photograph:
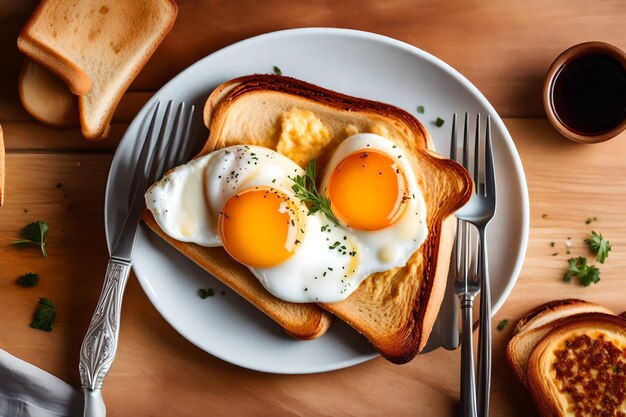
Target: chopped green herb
(420, 109)
(598, 245)
(502, 325)
(44, 316)
(439, 122)
(591, 219)
(204, 293)
(587, 274)
(325, 227)
(34, 235)
(28, 280)
(306, 190)
(277, 70)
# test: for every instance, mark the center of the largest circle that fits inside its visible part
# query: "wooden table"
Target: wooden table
(504, 48)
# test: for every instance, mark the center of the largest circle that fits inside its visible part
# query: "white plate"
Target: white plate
(356, 63)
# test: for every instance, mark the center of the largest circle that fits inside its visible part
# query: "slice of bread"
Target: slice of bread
(45, 97)
(97, 48)
(579, 368)
(531, 328)
(395, 309)
(1, 167)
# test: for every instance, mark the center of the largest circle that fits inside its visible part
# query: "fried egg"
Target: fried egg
(243, 198)
(375, 195)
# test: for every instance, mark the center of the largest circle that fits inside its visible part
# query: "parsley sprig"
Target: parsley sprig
(587, 274)
(34, 235)
(306, 190)
(599, 245)
(44, 316)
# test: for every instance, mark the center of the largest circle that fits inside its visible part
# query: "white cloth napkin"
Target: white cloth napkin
(27, 391)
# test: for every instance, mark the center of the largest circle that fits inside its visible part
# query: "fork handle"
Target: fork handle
(468, 382)
(484, 338)
(100, 343)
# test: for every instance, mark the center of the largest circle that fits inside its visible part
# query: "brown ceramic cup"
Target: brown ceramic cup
(572, 54)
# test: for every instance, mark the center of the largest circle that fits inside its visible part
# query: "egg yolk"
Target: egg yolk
(366, 190)
(258, 227)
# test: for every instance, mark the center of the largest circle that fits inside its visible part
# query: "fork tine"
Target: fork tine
(188, 148)
(453, 139)
(143, 156)
(160, 146)
(477, 167)
(175, 138)
(489, 167)
(465, 142)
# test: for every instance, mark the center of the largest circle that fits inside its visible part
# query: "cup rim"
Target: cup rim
(565, 57)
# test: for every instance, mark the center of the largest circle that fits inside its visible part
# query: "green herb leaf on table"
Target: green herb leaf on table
(277, 70)
(34, 235)
(586, 274)
(28, 280)
(420, 109)
(598, 245)
(44, 316)
(503, 324)
(439, 122)
(204, 293)
(306, 190)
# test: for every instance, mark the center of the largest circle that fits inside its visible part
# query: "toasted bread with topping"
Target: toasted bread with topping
(579, 368)
(395, 309)
(97, 48)
(533, 326)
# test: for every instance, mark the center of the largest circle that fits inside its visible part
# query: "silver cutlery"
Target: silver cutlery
(479, 211)
(466, 287)
(158, 153)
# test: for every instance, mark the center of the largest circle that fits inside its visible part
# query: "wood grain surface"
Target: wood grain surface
(503, 47)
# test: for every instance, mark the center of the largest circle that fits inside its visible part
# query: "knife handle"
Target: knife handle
(100, 343)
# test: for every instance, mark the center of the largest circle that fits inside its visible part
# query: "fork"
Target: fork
(466, 287)
(479, 211)
(173, 145)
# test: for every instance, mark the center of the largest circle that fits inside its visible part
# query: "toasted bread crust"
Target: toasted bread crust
(543, 313)
(549, 400)
(423, 279)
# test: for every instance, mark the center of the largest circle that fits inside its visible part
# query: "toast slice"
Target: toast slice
(531, 328)
(1, 167)
(579, 368)
(97, 48)
(395, 309)
(45, 97)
